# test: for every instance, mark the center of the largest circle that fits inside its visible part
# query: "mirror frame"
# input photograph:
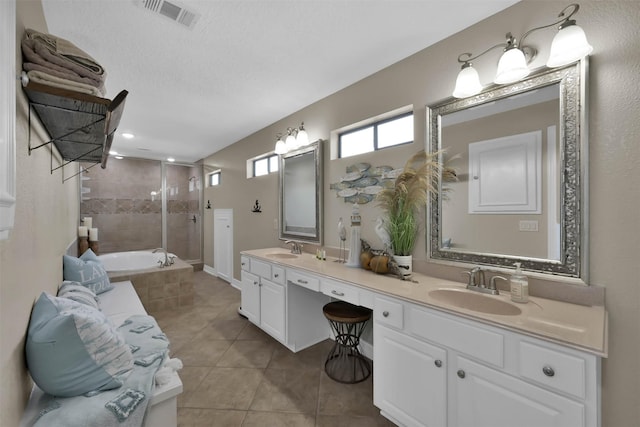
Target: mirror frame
(573, 127)
(316, 148)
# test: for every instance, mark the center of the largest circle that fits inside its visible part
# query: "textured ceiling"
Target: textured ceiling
(246, 63)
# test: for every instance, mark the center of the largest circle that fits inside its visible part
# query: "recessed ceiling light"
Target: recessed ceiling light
(119, 157)
(171, 159)
(127, 135)
(113, 152)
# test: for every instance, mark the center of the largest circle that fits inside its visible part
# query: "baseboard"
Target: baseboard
(212, 271)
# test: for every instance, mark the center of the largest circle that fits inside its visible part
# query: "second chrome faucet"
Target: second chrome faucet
(477, 281)
(296, 248)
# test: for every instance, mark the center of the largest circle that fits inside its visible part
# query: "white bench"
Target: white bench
(118, 304)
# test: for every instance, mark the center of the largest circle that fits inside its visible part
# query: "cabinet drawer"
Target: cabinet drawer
(261, 268)
(475, 341)
(304, 280)
(340, 291)
(245, 263)
(555, 369)
(277, 274)
(389, 312)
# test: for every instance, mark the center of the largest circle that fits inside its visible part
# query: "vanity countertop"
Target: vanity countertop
(578, 326)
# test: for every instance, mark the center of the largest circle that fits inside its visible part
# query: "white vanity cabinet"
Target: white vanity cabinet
(410, 379)
(487, 397)
(284, 302)
(436, 369)
(263, 299)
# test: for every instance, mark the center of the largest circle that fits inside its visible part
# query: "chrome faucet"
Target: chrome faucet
(477, 282)
(166, 262)
(296, 248)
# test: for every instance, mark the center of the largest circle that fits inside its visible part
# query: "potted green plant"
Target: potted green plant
(403, 202)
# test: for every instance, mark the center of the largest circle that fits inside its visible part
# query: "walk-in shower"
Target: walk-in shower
(142, 204)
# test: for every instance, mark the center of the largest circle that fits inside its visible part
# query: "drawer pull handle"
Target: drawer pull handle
(438, 363)
(461, 373)
(243, 263)
(276, 275)
(340, 294)
(255, 283)
(304, 282)
(548, 371)
(385, 314)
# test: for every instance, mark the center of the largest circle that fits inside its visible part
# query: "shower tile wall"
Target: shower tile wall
(120, 201)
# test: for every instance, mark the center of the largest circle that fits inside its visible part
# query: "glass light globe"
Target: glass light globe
(302, 138)
(291, 142)
(281, 147)
(569, 45)
(512, 67)
(467, 83)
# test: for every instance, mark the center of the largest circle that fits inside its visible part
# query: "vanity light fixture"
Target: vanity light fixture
(569, 45)
(127, 135)
(296, 138)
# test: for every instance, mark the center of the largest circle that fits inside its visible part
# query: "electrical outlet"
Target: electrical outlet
(528, 225)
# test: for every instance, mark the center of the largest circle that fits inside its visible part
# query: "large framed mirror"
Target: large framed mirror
(301, 194)
(519, 154)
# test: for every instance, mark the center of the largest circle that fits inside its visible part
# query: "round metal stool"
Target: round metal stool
(345, 363)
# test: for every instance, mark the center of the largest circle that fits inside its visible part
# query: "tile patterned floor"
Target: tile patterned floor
(236, 375)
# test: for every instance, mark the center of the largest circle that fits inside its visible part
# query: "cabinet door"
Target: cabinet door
(272, 309)
(250, 294)
(484, 397)
(409, 379)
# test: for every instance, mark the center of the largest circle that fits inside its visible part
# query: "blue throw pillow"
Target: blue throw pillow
(88, 271)
(73, 349)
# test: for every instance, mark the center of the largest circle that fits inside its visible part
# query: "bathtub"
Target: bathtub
(133, 260)
(158, 288)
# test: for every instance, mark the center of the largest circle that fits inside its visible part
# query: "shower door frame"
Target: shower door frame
(165, 213)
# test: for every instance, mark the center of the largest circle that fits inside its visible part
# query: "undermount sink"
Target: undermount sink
(280, 255)
(475, 302)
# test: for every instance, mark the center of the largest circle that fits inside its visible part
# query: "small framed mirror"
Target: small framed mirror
(519, 154)
(300, 174)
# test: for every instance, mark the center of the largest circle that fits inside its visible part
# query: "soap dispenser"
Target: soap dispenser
(519, 285)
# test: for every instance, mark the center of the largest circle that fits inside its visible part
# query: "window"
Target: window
(265, 165)
(214, 179)
(376, 136)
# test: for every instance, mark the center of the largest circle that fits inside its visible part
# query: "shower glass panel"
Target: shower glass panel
(181, 219)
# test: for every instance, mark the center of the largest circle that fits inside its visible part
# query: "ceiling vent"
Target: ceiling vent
(172, 10)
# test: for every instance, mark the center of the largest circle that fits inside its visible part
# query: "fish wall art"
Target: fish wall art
(362, 182)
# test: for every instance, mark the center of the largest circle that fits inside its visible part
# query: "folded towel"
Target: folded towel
(30, 66)
(65, 54)
(50, 80)
(33, 61)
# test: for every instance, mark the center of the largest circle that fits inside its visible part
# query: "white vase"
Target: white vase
(405, 263)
